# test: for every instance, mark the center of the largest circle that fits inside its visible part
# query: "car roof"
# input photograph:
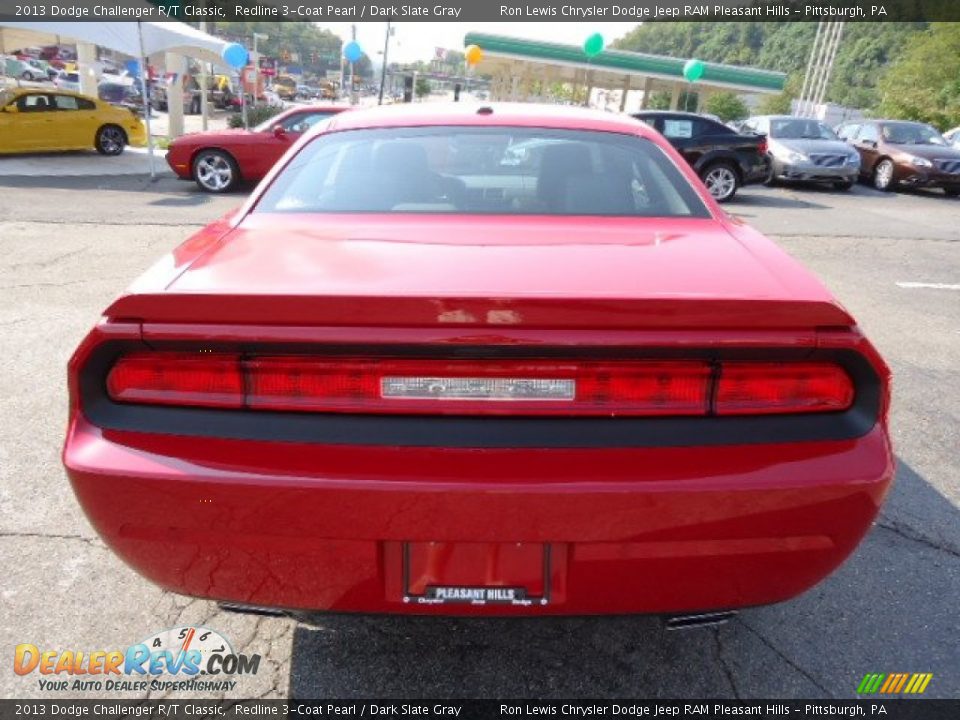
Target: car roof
(489, 114)
(683, 113)
(18, 91)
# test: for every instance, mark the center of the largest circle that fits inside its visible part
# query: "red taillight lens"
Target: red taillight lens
(762, 148)
(478, 387)
(177, 379)
(469, 387)
(766, 388)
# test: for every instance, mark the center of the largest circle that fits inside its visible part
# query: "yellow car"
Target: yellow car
(41, 120)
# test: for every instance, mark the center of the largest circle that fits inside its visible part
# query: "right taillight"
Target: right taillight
(767, 388)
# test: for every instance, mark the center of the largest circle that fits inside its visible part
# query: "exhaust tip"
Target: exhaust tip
(243, 609)
(687, 622)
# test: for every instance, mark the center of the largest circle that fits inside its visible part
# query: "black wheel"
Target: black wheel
(883, 176)
(215, 171)
(721, 180)
(951, 191)
(27, 75)
(110, 140)
(843, 185)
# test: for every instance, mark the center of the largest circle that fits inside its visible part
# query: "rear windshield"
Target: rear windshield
(464, 170)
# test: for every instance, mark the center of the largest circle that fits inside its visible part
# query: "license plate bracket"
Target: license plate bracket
(439, 573)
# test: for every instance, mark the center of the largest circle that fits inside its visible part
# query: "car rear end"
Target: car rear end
(479, 415)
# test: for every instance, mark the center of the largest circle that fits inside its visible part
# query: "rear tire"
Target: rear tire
(215, 171)
(951, 191)
(721, 180)
(110, 140)
(883, 176)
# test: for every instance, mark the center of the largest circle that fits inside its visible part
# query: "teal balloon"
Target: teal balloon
(593, 45)
(693, 70)
(235, 55)
(352, 52)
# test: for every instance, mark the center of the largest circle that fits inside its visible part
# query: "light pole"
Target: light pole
(204, 83)
(383, 70)
(256, 59)
(256, 79)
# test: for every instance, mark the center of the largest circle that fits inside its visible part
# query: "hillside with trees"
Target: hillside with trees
(866, 52)
(924, 84)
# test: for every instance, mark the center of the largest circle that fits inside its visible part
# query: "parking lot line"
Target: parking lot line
(929, 286)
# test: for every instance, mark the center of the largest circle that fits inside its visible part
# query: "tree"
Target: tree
(658, 101)
(315, 48)
(924, 84)
(782, 103)
(422, 88)
(727, 106)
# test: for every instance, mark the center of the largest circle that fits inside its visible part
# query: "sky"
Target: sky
(416, 40)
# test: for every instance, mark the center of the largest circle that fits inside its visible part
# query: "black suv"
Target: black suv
(723, 158)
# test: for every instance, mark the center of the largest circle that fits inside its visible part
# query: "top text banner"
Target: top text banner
(480, 10)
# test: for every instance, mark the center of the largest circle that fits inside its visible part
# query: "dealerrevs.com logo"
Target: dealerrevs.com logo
(183, 658)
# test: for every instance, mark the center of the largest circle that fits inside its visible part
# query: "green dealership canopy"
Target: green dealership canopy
(514, 61)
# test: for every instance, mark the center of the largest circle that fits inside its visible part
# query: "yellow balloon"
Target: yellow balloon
(473, 54)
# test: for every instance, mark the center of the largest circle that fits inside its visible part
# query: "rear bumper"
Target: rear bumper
(754, 174)
(638, 530)
(137, 134)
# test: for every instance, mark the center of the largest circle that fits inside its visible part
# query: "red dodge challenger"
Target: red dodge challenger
(483, 360)
(218, 160)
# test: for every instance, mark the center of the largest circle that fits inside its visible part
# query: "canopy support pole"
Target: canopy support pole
(144, 85)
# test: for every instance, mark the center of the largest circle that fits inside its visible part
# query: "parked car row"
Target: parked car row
(31, 70)
(781, 148)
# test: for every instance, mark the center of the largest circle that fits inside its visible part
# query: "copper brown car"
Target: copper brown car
(900, 153)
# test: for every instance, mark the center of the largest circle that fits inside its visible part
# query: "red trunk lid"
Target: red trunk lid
(392, 270)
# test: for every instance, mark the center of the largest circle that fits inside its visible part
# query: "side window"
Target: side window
(656, 122)
(848, 132)
(65, 102)
(677, 128)
(709, 127)
(301, 122)
(868, 133)
(33, 103)
(85, 104)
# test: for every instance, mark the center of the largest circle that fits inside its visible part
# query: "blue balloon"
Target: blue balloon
(132, 67)
(235, 55)
(352, 51)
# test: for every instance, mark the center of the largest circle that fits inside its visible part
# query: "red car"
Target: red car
(220, 159)
(496, 360)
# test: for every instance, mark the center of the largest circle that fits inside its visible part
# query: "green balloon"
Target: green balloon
(693, 70)
(593, 45)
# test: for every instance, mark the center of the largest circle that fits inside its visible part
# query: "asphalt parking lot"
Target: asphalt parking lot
(68, 245)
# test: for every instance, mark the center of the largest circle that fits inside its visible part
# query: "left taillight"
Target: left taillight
(569, 387)
(200, 380)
